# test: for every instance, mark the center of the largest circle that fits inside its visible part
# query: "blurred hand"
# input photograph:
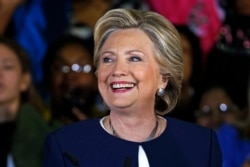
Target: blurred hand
(9, 5)
(7, 8)
(246, 164)
(79, 114)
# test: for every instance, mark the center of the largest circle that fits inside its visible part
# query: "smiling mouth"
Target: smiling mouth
(120, 86)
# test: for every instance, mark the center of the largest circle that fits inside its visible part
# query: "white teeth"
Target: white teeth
(118, 86)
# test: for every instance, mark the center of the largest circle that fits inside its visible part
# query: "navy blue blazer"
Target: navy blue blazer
(87, 144)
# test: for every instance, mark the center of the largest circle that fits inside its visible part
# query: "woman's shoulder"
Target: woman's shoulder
(76, 134)
(187, 131)
(185, 126)
(82, 127)
(192, 140)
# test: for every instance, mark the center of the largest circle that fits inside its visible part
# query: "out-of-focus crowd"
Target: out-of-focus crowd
(47, 77)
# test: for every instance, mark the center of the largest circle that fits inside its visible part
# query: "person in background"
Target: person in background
(215, 107)
(69, 81)
(138, 56)
(22, 127)
(234, 139)
(192, 74)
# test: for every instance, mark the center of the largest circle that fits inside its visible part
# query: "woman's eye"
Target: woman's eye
(107, 60)
(8, 66)
(135, 58)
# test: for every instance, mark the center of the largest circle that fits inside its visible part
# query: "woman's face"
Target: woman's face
(128, 74)
(12, 80)
(65, 80)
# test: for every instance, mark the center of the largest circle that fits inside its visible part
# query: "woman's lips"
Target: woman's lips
(122, 86)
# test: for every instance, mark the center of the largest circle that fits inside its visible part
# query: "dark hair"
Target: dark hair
(22, 56)
(229, 6)
(51, 54)
(196, 53)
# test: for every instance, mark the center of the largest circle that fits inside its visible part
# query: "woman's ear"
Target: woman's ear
(25, 82)
(164, 81)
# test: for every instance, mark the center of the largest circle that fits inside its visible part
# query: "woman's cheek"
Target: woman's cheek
(103, 74)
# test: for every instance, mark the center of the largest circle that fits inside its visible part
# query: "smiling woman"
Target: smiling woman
(139, 65)
(127, 63)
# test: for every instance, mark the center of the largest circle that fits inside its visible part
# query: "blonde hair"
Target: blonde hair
(168, 50)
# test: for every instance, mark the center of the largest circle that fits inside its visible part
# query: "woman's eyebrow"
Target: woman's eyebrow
(107, 52)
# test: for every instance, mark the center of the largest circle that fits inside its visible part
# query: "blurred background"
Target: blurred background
(57, 37)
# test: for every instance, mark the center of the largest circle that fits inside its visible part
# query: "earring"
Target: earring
(160, 92)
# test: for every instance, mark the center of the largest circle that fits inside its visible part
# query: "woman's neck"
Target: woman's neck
(137, 129)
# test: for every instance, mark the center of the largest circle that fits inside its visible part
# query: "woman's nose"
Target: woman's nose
(121, 68)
